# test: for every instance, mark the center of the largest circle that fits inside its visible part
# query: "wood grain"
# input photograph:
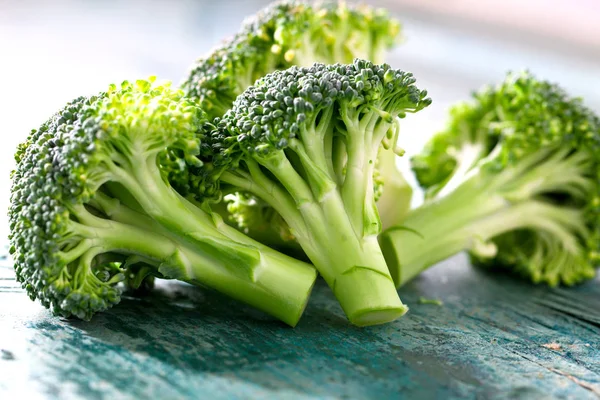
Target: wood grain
(490, 339)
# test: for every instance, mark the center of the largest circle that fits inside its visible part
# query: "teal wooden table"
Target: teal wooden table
(493, 338)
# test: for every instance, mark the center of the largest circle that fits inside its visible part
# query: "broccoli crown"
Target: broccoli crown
(284, 23)
(514, 119)
(296, 109)
(39, 214)
(273, 111)
(288, 33)
(141, 117)
(550, 141)
(60, 168)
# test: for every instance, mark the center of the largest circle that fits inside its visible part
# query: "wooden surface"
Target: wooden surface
(493, 338)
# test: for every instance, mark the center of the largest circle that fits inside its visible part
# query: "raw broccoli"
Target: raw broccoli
(289, 33)
(305, 141)
(515, 180)
(257, 219)
(91, 207)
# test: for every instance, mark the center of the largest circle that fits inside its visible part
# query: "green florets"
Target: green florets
(321, 118)
(145, 117)
(62, 166)
(535, 143)
(284, 34)
(273, 112)
(42, 235)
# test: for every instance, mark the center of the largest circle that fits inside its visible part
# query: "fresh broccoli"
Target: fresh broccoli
(257, 219)
(514, 180)
(289, 33)
(92, 207)
(305, 141)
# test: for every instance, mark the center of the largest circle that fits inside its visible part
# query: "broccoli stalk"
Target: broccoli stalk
(284, 34)
(394, 200)
(514, 180)
(257, 219)
(305, 141)
(92, 207)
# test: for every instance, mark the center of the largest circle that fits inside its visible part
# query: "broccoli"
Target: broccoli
(396, 193)
(289, 33)
(257, 219)
(305, 141)
(514, 180)
(91, 206)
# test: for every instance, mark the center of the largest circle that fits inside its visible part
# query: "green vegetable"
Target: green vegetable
(257, 219)
(92, 207)
(260, 221)
(284, 34)
(305, 141)
(515, 180)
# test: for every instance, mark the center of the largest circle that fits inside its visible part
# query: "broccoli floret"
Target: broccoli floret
(289, 33)
(305, 141)
(514, 180)
(91, 207)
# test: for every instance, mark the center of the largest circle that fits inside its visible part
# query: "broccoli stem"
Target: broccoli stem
(305, 55)
(289, 280)
(352, 265)
(341, 31)
(466, 219)
(377, 50)
(395, 202)
(279, 286)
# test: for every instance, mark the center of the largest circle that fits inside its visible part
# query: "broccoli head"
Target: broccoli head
(284, 34)
(91, 207)
(515, 180)
(305, 141)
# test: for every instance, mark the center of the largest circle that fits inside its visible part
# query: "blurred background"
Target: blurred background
(53, 51)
